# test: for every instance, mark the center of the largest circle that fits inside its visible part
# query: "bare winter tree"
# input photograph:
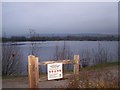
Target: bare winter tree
(11, 57)
(34, 46)
(101, 55)
(57, 52)
(96, 56)
(86, 57)
(62, 53)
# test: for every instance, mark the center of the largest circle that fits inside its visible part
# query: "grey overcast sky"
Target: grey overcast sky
(60, 17)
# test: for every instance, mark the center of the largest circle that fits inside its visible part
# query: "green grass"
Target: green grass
(101, 66)
(0, 77)
(12, 77)
(98, 66)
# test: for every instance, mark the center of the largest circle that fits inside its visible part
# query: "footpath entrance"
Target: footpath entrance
(33, 69)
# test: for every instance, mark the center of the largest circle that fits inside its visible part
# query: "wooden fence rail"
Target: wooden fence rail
(33, 68)
(60, 61)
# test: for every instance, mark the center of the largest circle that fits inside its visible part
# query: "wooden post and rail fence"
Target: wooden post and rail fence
(33, 68)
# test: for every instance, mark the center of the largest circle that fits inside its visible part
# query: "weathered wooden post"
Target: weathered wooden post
(33, 71)
(37, 71)
(76, 66)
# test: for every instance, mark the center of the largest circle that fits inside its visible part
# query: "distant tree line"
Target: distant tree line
(59, 38)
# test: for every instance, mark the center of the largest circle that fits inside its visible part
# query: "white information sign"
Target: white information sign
(54, 71)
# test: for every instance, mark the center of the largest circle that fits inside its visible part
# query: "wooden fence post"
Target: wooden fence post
(76, 66)
(33, 71)
(37, 72)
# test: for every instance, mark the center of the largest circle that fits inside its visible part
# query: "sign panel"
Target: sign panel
(54, 71)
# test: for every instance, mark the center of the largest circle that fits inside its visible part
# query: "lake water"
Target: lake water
(48, 50)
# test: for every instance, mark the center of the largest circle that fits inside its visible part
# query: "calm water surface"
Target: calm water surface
(46, 50)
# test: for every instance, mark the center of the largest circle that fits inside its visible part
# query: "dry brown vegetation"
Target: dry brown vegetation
(105, 78)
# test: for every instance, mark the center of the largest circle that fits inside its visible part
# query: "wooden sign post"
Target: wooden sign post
(76, 66)
(54, 70)
(33, 71)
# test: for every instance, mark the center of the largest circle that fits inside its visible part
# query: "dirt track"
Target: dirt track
(22, 82)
